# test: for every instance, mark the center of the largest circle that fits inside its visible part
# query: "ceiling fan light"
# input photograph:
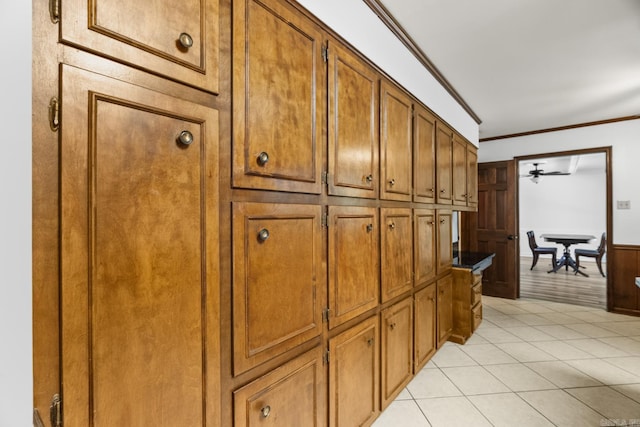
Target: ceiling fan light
(536, 179)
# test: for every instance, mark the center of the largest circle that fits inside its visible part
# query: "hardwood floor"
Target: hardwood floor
(563, 286)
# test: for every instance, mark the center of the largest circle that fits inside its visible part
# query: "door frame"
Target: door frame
(609, 200)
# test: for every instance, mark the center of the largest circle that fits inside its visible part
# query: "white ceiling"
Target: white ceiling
(526, 65)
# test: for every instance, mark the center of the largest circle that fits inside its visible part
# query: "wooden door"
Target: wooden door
(180, 43)
(353, 125)
(424, 245)
(444, 146)
(444, 305)
(472, 176)
(279, 98)
(279, 289)
(425, 316)
(354, 254)
(397, 257)
(139, 256)
(395, 143)
(397, 349)
(291, 395)
(445, 250)
(495, 228)
(424, 156)
(354, 375)
(459, 173)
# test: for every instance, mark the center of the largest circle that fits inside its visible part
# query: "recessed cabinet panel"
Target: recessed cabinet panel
(279, 94)
(444, 145)
(354, 272)
(444, 303)
(278, 280)
(424, 245)
(180, 43)
(395, 143)
(425, 315)
(290, 395)
(424, 156)
(397, 349)
(354, 375)
(397, 255)
(139, 256)
(353, 125)
(445, 251)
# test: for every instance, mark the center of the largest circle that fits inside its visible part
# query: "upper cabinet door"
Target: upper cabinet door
(424, 156)
(424, 245)
(180, 43)
(444, 144)
(279, 98)
(395, 143)
(459, 173)
(396, 243)
(353, 125)
(472, 176)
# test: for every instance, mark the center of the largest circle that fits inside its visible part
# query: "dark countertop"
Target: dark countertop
(476, 261)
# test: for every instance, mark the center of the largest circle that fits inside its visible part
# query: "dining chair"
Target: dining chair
(540, 250)
(593, 253)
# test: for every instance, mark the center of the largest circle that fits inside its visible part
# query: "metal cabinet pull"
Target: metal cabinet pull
(185, 40)
(370, 342)
(392, 182)
(185, 137)
(369, 228)
(392, 225)
(263, 158)
(392, 325)
(265, 411)
(369, 178)
(263, 235)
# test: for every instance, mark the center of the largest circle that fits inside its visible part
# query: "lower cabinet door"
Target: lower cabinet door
(445, 309)
(424, 326)
(397, 349)
(354, 376)
(291, 395)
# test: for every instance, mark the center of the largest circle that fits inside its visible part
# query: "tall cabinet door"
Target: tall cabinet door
(180, 43)
(354, 254)
(397, 349)
(397, 257)
(444, 303)
(279, 288)
(425, 316)
(424, 156)
(424, 245)
(353, 125)
(139, 256)
(459, 173)
(444, 144)
(445, 251)
(396, 110)
(279, 98)
(472, 176)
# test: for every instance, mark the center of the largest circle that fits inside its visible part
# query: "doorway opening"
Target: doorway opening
(565, 193)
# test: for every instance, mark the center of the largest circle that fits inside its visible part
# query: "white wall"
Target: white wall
(16, 389)
(362, 28)
(574, 204)
(624, 139)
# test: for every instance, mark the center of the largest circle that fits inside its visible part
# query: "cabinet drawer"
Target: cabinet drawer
(290, 395)
(279, 286)
(476, 294)
(476, 317)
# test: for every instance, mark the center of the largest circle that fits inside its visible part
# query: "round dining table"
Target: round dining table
(567, 240)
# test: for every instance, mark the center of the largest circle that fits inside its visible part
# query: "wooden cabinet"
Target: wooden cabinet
(424, 155)
(290, 395)
(396, 110)
(279, 98)
(139, 255)
(279, 286)
(425, 320)
(424, 245)
(397, 349)
(465, 173)
(354, 262)
(467, 304)
(444, 253)
(180, 43)
(444, 303)
(444, 167)
(396, 257)
(354, 375)
(353, 125)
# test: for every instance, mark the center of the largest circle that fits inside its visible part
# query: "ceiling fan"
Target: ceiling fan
(536, 174)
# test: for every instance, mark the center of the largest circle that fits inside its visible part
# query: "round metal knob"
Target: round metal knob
(392, 182)
(185, 137)
(392, 326)
(185, 40)
(263, 158)
(392, 225)
(442, 221)
(369, 178)
(370, 342)
(369, 228)
(265, 411)
(443, 191)
(263, 235)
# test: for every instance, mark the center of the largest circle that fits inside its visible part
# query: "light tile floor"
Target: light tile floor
(530, 363)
